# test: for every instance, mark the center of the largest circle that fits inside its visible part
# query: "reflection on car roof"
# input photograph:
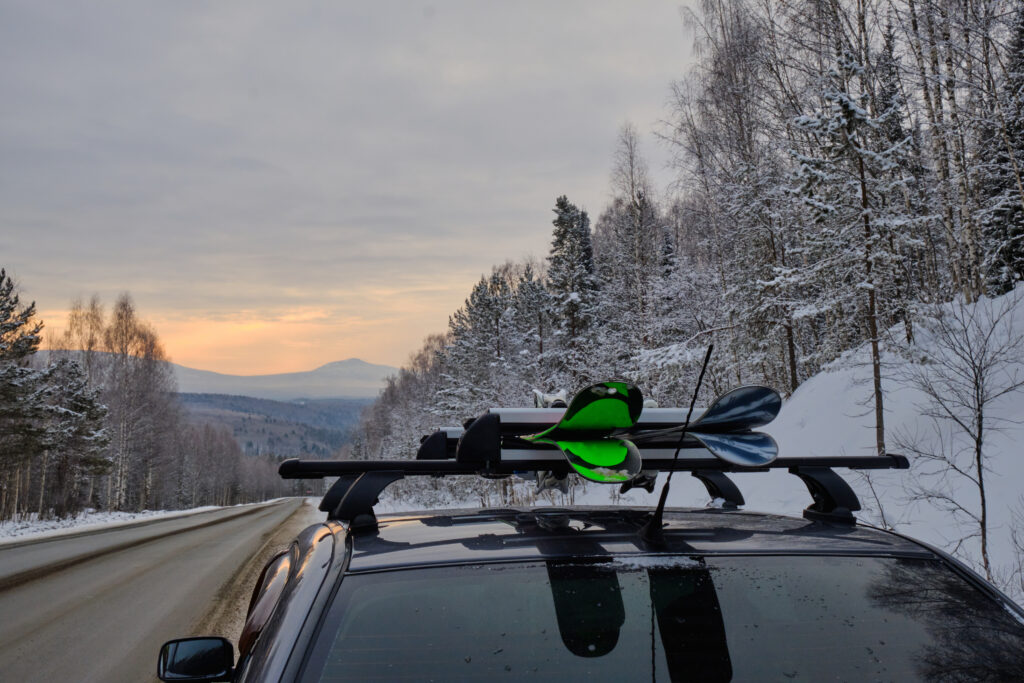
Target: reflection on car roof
(472, 536)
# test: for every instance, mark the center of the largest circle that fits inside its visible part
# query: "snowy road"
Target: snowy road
(97, 606)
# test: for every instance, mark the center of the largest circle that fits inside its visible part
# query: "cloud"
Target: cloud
(258, 156)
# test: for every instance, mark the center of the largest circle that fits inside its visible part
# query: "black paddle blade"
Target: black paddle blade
(739, 410)
(749, 449)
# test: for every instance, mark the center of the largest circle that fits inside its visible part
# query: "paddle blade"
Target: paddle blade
(740, 410)
(602, 407)
(607, 461)
(751, 449)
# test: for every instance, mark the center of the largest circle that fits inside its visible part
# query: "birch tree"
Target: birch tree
(979, 353)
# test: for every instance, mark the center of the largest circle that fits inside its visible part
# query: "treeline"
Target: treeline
(840, 167)
(96, 422)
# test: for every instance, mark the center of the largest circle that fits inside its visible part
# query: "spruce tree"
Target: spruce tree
(23, 394)
(849, 183)
(19, 334)
(1002, 167)
(76, 441)
(571, 280)
(530, 341)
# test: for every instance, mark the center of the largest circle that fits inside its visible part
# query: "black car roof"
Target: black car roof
(484, 536)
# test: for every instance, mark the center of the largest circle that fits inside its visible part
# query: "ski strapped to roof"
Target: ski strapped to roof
(605, 435)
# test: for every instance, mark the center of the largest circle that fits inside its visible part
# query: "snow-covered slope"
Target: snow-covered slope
(351, 378)
(832, 414)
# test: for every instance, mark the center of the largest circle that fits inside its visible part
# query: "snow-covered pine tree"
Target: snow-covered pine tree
(474, 361)
(23, 396)
(1001, 161)
(19, 333)
(76, 441)
(902, 220)
(531, 356)
(848, 183)
(573, 287)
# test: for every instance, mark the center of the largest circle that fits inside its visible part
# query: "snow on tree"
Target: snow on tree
(138, 390)
(849, 185)
(1001, 162)
(572, 285)
(23, 395)
(532, 358)
(76, 440)
(628, 247)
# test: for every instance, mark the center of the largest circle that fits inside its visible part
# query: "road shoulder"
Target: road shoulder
(227, 615)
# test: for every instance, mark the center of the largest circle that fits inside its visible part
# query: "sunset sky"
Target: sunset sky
(284, 184)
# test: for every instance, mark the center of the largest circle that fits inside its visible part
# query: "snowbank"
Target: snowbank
(90, 520)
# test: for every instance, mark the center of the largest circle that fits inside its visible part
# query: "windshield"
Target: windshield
(719, 619)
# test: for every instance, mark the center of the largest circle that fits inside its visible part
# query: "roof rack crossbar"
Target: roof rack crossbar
(361, 482)
(533, 461)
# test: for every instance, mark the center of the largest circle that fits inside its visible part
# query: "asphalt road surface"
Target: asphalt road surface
(98, 606)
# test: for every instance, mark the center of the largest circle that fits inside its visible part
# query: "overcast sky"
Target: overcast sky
(284, 184)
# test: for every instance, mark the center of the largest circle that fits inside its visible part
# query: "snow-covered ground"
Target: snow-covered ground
(89, 520)
(831, 414)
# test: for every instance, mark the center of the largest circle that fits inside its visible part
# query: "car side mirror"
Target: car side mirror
(196, 659)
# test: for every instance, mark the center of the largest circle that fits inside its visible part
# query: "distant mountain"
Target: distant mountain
(312, 427)
(352, 378)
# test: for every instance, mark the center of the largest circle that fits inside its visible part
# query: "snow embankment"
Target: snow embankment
(90, 520)
(832, 414)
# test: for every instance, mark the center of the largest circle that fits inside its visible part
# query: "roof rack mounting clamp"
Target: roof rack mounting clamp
(481, 443)
(334, 494)
(433, 446)
(834, 500)
(720, 486)
(358, 498)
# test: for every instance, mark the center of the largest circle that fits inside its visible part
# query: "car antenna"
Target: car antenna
(651, 532)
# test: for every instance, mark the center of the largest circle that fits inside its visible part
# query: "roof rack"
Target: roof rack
(490, 446)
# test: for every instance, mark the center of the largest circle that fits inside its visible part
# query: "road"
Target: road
(98, 606)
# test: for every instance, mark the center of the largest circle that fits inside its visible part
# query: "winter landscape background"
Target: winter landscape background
(845, 224)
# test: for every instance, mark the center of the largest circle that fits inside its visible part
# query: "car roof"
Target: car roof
(449, 537)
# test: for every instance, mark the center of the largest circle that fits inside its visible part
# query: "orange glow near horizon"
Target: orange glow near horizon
(264, 347)
(296, 339)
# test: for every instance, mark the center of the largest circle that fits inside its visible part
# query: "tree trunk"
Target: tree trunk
(42, 483)
(940, 149)
(979, 466)
(876, 363)
(791, 346)
(16, 493)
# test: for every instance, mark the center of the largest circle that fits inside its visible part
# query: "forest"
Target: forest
(95, 422)
(842, 169)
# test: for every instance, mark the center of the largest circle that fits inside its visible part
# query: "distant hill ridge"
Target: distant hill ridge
(301, 428)
(350, 378)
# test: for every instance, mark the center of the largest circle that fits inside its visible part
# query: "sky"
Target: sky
(279, 185)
